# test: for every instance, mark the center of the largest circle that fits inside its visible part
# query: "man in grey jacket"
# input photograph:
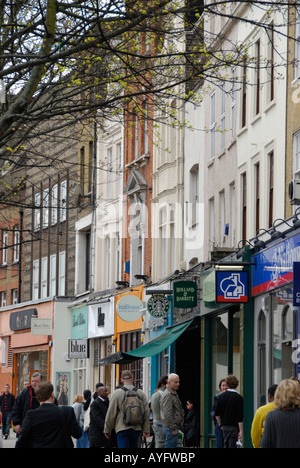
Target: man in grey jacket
(171, 412)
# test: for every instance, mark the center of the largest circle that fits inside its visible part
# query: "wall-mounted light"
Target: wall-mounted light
(278, 234)
(142, 277)
(122, 284)
(241, 252)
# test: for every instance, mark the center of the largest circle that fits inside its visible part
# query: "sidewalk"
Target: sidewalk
(11, 442)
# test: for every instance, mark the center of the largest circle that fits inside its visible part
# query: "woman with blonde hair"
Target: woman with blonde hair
(282, 426)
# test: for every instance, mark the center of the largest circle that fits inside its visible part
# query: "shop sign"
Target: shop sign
(185, 294)
(274, 265)
(232, 286)
(296, 284)
(129, 308)
(21, 320)
(78, 349)
(79, 323)
(158, 306)
(41, 326)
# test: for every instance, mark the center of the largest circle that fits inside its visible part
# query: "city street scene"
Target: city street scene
(149, 226)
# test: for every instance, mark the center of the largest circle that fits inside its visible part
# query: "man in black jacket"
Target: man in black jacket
(26, 401)
(98, 412)
(229, 413)
(48, 426)
(7, 401)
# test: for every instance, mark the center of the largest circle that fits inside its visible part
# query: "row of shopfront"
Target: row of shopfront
(243, 319)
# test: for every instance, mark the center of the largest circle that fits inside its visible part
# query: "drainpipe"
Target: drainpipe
(20, 255)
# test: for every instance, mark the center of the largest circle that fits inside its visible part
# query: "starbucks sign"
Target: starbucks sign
(158, 306)
(185, 294)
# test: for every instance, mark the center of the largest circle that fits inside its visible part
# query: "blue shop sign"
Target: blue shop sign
(296, 284)
(274, 265)
(232, 286)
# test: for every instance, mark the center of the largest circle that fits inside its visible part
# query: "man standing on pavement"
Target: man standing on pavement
(26, 401)
(7, 401)
(171, 412)
(229, 413)
(127, 434)
(155, 406)
(98, 412)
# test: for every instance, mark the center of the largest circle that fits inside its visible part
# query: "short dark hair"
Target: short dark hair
(272, 390)
(44, 391)
(232, 381)
(162, 381)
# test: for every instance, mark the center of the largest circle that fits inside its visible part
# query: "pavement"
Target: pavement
(11, 442)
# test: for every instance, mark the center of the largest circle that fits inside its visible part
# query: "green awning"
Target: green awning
(151, 348)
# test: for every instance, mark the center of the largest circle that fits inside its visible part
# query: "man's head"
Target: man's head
(232, 382)
(102, 392)
(6, 389)
(36, 379)
(174, 382)
(45, 392)
(126, 377)
(271, 392)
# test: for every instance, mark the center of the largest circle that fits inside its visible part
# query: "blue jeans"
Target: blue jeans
(128, 438)
(171, 440)
(6, 418)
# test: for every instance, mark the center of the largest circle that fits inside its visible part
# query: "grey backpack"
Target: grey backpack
(132, 407)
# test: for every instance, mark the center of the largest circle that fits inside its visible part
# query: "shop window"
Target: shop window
(283, 331)
(128, 342)
(261, 357)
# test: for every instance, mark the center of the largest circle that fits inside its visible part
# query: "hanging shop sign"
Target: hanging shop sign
(41, 326)
(158, 306)
(78, 349)
(232, 286)
(274, 265)
(129, 308)
(185, 294)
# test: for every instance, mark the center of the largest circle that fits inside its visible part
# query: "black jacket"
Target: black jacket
(43, 428)
(10, 402)
(98, 412)
(24, 402)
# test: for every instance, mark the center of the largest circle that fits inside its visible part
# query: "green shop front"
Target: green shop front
(226, 343)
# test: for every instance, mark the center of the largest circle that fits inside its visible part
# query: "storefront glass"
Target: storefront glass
(219, 350)
(283, 330)
(28, 363)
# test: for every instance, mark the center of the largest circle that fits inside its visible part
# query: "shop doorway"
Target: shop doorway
(187, 365)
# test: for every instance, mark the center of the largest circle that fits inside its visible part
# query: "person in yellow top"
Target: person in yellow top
(258, 422)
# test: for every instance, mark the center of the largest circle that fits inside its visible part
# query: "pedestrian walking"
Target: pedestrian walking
(218, 431)
(155, 406)
(128, 414)
(258, 423)
(191, 426)
(98, 412)
(282, 425)
(229, 413)
(48, 426)
(78, 406)
(7, 401)
(26, 401)
(171, 412)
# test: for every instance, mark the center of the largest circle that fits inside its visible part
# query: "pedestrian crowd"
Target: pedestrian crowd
(127, 418)
(275, 425)
(97, 422)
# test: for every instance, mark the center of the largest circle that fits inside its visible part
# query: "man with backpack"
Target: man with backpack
(128, 414)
